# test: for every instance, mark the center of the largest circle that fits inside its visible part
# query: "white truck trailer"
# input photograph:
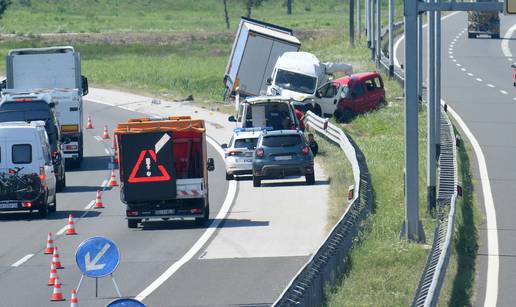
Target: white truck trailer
(256, 48)
(56, 70)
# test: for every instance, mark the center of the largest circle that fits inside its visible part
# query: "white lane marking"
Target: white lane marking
(505, 41)
(398, 42)
(492, 234)
(470, 74)
(61, 231)
(450, 52)
(510, 59)
(90, 205)
(454, 60)
(463, 69)
(104, 183)
(503, 92)
(22, 260)
(490, 85)
(224, 210)
(98, 138)
(458, 65)
(451, 48)
(451, 56)
(479, 80)
(107, 151)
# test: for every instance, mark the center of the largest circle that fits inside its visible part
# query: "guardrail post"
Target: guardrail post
(373, 29)
(391, 38)
(437, 84)
(378, 35)
(367, 17)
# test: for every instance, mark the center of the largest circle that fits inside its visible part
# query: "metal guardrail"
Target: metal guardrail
(307, 287)
(427, 293)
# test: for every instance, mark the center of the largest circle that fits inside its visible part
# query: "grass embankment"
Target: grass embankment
(383, 270)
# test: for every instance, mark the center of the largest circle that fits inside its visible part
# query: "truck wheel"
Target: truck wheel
(310, 179)
(229, 176)
(131, 223)
(345, 116)
(43, 210)
(471, 35)
(257, 182)
(495, 36)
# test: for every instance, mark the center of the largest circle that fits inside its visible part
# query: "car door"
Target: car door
(358, 98)
(327, 98)
(46, 160)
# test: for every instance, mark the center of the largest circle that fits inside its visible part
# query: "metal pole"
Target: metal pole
(359, 21)
(367, 22)
(373, 28)
(430, 118)
(420, 56)
(438, 84)
(352, 23)
(378, 34)
(96, 287)
(391, 38)
(412, 229)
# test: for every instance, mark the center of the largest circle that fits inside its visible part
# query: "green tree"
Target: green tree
(3, 6)
(249, 4)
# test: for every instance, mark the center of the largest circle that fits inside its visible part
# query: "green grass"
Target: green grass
(459, 285)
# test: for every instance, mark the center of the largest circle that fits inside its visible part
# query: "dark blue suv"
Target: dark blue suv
(280, 154)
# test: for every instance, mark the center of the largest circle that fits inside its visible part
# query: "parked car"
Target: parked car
(266, 111)
(27, 180)
(32, 107)
(281, 154)
(239, 151)
(351, 95)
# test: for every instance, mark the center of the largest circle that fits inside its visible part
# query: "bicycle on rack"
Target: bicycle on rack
(14, 185)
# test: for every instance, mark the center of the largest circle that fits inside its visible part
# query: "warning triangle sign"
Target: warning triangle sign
(147, 169)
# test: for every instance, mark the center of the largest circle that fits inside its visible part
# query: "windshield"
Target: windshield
(24, 111)
(249, 143)
(295, 82)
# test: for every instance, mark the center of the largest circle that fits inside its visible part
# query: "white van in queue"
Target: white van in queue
(27, 180)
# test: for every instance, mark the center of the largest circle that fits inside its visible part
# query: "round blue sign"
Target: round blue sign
(125, 302)
(97, 257)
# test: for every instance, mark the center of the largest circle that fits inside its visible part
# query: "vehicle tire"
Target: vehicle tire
(61, 184)
(317, 110)
(514, 84)
(310, 179)
(229, 176)
(257, 181)
(53, 208)
(345, 116)
(382, 103)
(132, 223)
(201, 221)
(495, 36)
(471, 35)
(43, 210)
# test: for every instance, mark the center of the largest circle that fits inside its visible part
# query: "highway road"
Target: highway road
(257, 240)
(477, 84)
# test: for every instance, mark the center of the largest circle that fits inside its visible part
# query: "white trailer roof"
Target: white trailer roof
(272, 33)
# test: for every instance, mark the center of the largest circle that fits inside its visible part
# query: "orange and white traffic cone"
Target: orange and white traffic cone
(98, 201)
(74, 302)
(70, 226)
(89, 125)
(57, 295)
(53, 274)
(115, 156)
(55, 259)
(105, 135)
(112, 181)
(113, 144)
(49, 250)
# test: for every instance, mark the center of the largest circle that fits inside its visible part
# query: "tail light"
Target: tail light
(12, 171)
(305, 151)
(259, 152)
(233, 153)
(42, 174)
(132, 213)
(27, 204)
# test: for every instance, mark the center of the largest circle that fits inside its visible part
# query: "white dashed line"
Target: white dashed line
(61, 231)
(22, 260)
(90, 205)
(450, 52)
(98, 138)
(104, 183)
(454, 60)
(107, 151)
(514, 99)
(458, 65)
(463, 69)
(451, 56)
(479, 80)
(510, 60)
(451, 49)
(470, 74)
(503, 92)
(490, 85)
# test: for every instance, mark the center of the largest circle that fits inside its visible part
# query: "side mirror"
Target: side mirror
(211, 164)
(51, 104)
(232, 119)
(318, 94)
(513, 66)
(3, 85)
(269, 81)
(224, 146)
(84, 85)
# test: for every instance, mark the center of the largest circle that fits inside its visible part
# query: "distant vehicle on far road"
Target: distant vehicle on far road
(239, 151)
(281, 154)
(27, 180)
(483, 23)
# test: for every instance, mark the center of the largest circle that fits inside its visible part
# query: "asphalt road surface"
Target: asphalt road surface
(477, 83)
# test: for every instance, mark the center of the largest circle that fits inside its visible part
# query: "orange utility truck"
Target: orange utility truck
(164, 168)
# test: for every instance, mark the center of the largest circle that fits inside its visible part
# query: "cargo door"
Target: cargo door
(3, 157)
(254, 60)
(147, 169)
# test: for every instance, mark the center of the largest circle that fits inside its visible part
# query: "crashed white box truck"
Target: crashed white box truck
(256, 48)
(57, 71)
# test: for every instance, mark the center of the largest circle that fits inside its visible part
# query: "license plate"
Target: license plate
(245, 160)
(8, 205)
(165, 211)
(282, 158)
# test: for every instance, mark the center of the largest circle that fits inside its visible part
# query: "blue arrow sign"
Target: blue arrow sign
(125, 302)
(97, 257)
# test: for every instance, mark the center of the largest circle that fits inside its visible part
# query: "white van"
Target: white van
(271, 112)
(27, 180)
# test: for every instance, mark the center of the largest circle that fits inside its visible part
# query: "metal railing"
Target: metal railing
(427, 293)
(307, 287)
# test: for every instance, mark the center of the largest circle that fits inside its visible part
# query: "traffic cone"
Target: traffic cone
(105, 135)
(113, 144)
(89, 125)
(57, 295)
(49, 250)
(53, 274)
(70, 226)
(55, 259)
(74, 302)
(112, 181)
(98, 201)
(115, 156)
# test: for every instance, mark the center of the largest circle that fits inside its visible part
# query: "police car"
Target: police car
(239, 151)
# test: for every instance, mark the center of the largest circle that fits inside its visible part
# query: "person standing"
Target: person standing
(314, 147)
